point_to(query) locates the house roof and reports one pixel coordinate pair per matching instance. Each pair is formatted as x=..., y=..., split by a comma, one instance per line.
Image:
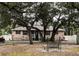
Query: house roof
x=61, y=30
x=39, y=27
x=20, y=28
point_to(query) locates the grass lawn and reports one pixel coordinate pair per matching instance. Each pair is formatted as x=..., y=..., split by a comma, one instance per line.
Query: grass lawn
x=38, y=50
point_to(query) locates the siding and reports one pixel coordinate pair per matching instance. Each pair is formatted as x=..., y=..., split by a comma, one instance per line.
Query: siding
x=19, y=36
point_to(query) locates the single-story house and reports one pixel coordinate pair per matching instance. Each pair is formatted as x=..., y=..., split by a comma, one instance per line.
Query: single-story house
x=20, y=33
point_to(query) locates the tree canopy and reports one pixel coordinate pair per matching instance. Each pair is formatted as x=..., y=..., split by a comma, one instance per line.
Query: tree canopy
x=56, y=14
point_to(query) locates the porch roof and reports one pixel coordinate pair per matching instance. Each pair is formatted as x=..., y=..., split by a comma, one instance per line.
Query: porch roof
x=39, y=27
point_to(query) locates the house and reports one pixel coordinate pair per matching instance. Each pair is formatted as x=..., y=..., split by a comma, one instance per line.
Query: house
x=20, y=33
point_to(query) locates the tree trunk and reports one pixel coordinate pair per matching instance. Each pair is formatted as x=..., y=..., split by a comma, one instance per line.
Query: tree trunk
x=69, y=31
x=54, y=31
x=52, y=37
x=30, y=36
x=44, y=34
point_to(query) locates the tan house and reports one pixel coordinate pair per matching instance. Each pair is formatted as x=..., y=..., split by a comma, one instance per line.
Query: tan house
x=20, y=33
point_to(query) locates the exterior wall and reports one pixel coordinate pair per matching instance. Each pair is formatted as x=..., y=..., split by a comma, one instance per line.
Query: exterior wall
x=19, y=36
x=48, y=36
x=59, y=35
x=71, y=39
x=26, y=37
x=68, y=39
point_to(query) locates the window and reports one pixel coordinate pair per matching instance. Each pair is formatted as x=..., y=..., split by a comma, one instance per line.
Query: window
x=48, y=33
x=24, y=32
x=18, y=32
